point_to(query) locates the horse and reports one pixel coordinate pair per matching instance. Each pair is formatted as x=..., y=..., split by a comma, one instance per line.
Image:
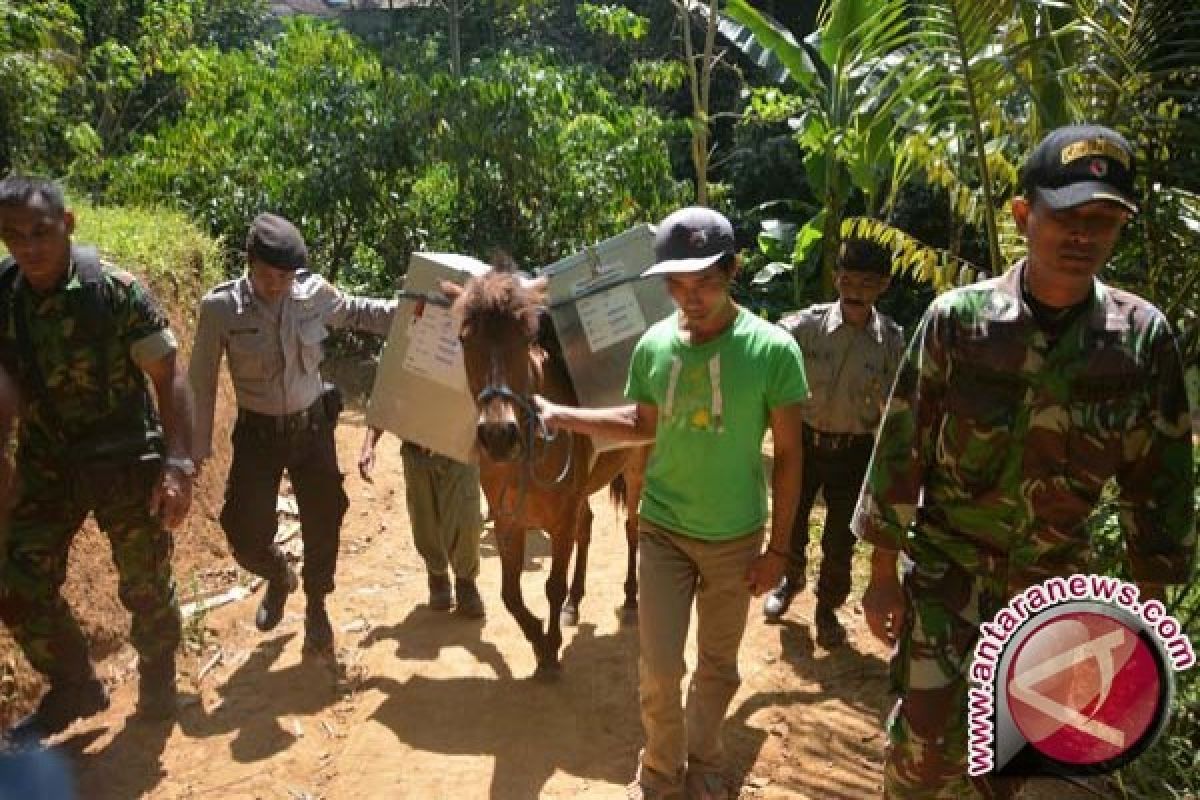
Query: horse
x=533, y=477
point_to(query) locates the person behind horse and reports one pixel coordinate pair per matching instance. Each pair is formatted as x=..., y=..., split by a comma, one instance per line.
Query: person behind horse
x=82, y=341
x=442, y=497
x=1018, y=399
x=851, y=351
x=705, y=384
x=271, y=323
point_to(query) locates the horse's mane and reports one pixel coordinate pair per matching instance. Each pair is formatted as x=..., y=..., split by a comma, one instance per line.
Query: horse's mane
x=498, y=294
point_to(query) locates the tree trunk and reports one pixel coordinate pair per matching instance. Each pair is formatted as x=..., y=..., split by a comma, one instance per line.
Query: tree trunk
x=456, y=11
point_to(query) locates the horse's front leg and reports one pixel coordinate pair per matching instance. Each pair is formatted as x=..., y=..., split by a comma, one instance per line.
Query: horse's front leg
x=583, y=541
x=562, y=541
x=629, y=611
x=634, y=473
x=511, y=543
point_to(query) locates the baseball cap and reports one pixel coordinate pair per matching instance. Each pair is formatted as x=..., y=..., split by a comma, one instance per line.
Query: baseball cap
x=1076, y=164
x=274, y=240
x=691, y=239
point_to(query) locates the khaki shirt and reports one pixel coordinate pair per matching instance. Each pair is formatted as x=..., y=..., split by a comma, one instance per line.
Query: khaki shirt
x=850, y=370
x=274, y=351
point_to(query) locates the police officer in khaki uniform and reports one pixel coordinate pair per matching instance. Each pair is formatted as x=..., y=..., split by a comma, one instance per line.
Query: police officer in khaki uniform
x=851, y=352
x=271, y=323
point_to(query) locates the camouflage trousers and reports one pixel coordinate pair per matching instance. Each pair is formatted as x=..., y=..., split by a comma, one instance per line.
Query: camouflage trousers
x=927, y=727
x=50, y=508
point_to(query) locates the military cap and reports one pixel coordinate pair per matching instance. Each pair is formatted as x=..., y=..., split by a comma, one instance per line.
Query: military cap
x=1076, y=164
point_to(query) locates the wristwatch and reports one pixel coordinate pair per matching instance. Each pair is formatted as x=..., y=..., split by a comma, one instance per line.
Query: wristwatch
x=184, y=465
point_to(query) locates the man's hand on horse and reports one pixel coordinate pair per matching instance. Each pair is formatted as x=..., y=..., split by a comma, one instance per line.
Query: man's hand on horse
x=547, y=411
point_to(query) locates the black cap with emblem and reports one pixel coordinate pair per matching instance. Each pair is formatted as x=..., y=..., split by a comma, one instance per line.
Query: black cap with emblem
x=275, y=241
x=1077, y=164
x=691, y=239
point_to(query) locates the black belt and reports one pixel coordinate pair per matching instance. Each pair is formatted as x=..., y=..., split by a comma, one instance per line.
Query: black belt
x=283, y=424
x=835, y=441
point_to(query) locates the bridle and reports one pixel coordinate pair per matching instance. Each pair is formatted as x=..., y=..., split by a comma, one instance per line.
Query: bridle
x=535, y=444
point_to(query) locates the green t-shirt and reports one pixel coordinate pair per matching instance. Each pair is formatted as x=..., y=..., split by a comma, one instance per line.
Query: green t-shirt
x=705, y=478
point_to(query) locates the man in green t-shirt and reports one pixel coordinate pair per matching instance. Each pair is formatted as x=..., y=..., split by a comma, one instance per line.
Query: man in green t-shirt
x=705, y=385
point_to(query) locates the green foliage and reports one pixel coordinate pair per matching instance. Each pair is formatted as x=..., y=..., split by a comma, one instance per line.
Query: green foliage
x=373, y=163
x=308, y=125
x=176, y=257
x=544, y=160
x=39, y=63
x=615, y=21
x=853, y=102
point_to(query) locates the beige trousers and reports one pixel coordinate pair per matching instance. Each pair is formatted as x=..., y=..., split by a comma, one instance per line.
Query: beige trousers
x=673, y=572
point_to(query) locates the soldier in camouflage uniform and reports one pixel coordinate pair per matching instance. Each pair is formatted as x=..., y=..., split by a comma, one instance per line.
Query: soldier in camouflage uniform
x=1018, y=399
x=80, y=338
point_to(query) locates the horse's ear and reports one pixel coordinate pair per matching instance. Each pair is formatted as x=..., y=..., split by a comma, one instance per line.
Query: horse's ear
x=537, y=286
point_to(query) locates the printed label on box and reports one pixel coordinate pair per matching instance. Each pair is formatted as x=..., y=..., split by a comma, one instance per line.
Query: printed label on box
x=611, y=317
x=434, y=351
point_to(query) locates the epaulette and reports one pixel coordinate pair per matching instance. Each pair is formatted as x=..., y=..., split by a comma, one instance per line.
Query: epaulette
x=888, y=322
x=119, y=275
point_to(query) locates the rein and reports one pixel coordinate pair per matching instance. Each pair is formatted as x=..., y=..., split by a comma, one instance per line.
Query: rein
x=531, y=454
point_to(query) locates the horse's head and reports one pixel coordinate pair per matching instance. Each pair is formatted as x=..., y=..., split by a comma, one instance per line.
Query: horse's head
x=500, y=313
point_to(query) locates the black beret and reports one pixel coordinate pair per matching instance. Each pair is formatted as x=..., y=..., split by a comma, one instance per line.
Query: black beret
x=275, y=241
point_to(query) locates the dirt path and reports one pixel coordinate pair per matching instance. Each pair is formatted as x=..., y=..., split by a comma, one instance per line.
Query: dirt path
x=430, y=705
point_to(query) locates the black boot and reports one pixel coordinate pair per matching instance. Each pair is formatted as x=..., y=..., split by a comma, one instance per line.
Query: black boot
x=470, y=604
x=157, y=695
x=62, y=704
x=440, y=596
x=318, y=632
x=270, y=611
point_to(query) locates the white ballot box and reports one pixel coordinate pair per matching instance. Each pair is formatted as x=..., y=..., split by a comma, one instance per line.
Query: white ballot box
x=421, y=392
x=601, y=307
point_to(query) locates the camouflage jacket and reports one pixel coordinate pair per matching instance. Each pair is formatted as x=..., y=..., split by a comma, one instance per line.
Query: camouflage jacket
x=995, y=446
x=88, y=357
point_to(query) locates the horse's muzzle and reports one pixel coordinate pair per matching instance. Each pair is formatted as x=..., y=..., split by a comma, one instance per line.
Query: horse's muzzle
x=500, y=440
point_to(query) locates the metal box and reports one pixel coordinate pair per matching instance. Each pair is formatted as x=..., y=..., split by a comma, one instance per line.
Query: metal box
x=601, y=306
x=420, y=391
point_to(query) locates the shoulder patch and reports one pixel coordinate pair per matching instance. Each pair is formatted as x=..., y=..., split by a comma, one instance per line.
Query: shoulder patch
x=220, y=289
x=122, y=277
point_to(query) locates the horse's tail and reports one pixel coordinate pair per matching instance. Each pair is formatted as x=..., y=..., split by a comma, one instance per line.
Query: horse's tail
x=618, y=491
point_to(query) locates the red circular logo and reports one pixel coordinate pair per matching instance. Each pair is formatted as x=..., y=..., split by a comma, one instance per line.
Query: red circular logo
x=1084, y=688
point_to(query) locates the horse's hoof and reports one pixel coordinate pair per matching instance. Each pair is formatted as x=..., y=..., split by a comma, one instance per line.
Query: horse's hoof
x=548, y=672
x=627, y=615
x=569, y=616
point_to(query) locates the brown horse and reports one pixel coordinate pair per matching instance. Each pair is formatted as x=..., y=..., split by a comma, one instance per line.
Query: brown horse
x=532, y=477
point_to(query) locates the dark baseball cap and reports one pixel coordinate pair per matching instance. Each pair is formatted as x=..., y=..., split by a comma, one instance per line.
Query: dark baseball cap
x=1078, y=164
x=277, y=242
x=691, y=239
